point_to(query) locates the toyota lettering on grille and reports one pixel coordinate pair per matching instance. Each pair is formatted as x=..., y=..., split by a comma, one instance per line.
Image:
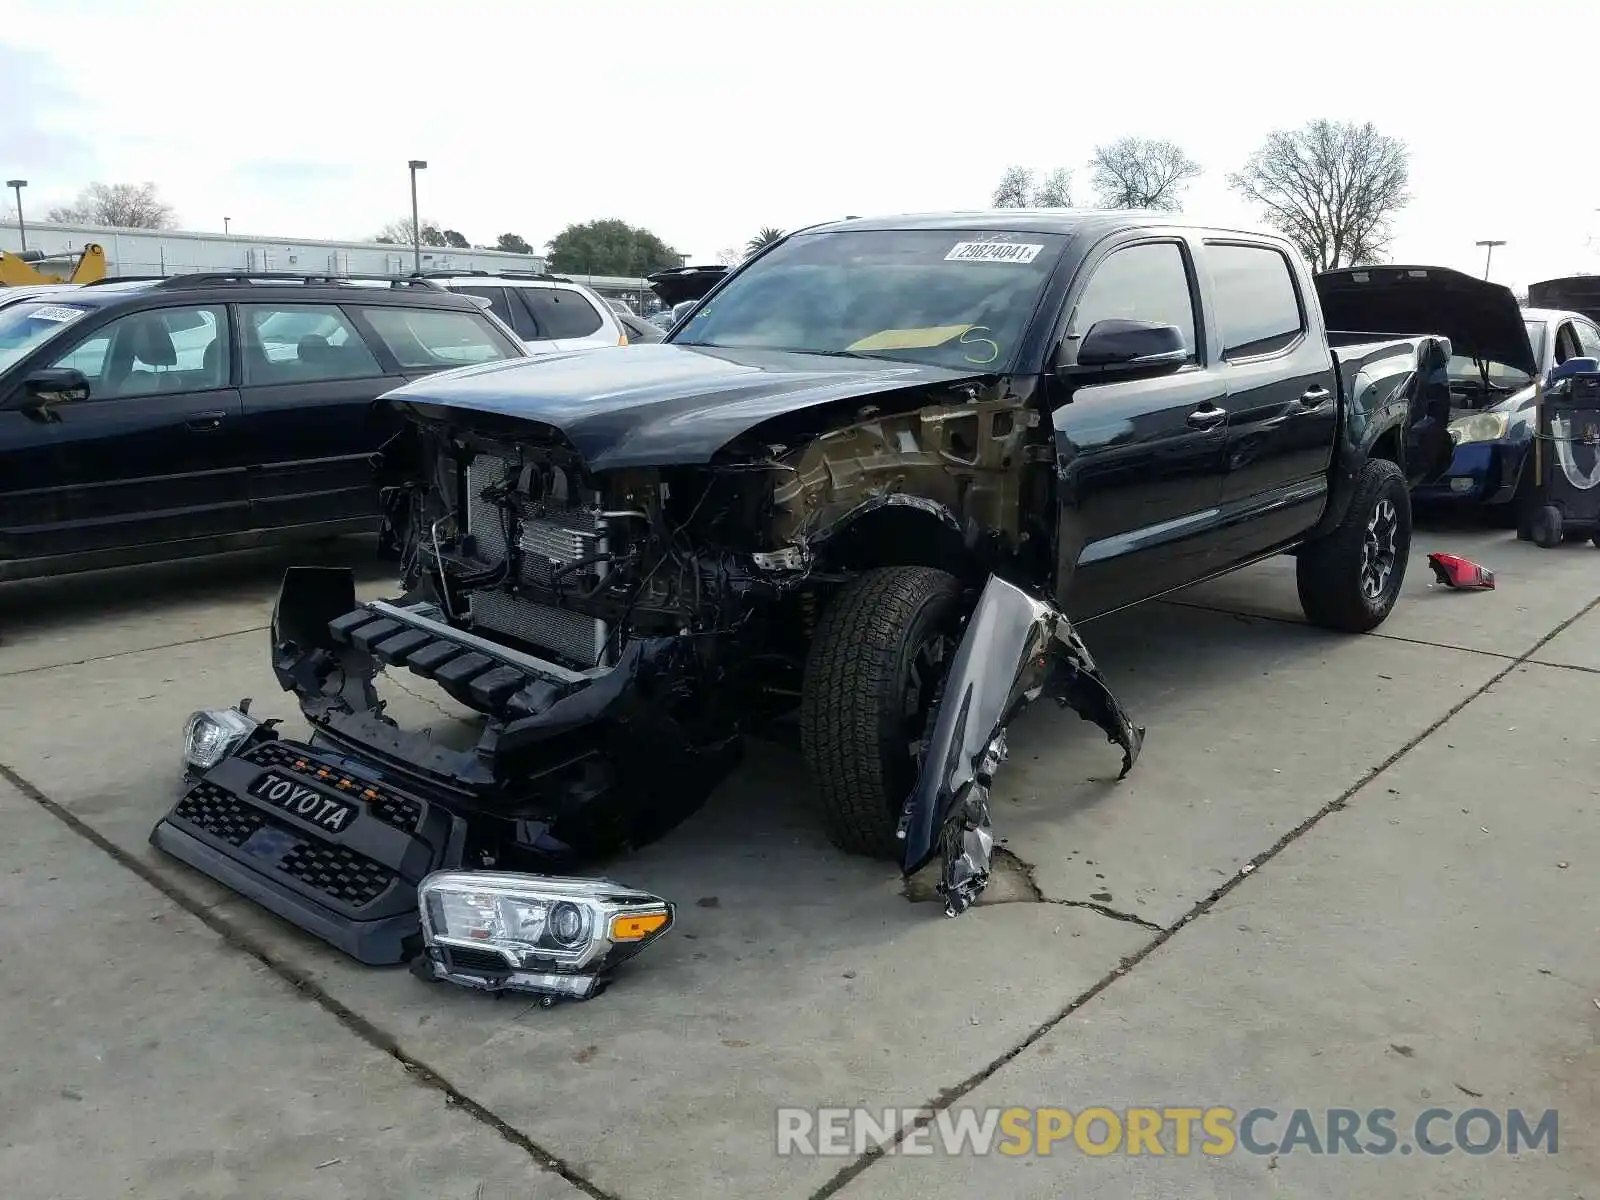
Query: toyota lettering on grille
x=306, y=802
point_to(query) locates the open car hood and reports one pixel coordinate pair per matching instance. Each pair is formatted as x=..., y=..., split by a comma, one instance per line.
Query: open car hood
x=1481, y=319
x=1572, y=293
x=678, y=284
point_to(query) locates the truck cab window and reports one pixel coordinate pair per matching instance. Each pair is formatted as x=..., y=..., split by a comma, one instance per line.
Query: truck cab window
x=1258, y=309
x=1141, y=283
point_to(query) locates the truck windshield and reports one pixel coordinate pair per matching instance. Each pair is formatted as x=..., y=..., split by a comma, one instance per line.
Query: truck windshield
x=25, y=325
x=958, y=298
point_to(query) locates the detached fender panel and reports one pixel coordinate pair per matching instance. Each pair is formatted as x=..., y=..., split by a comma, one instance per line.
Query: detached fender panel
x=1015, y=648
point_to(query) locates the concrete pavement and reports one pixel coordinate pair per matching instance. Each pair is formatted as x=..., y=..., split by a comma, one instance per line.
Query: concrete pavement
x=800, y=977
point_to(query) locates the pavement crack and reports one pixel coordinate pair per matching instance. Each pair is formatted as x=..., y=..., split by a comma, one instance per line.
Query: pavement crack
x=1388, y=637
x=428, y=700
x=1105, y=910
x=370, y=1033
x=947, y=1097
x=1539, y=662
x=1036, y=893
x=95, y=658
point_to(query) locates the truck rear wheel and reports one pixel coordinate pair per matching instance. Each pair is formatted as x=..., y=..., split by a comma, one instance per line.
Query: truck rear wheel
x=879, y=654
x=1350, y=579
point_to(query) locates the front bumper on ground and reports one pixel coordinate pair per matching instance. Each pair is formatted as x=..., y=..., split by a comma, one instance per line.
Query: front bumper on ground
x=1479, y=473
x=355, y=888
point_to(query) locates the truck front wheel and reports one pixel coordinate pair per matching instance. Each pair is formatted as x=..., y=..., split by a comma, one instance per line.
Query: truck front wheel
x=1350, y=579
x=881, y=650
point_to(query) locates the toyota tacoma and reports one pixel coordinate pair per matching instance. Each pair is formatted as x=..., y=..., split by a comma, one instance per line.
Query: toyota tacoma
x=879, y=473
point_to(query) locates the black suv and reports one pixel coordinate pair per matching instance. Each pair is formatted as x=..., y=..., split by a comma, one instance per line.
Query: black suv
x=145, y=419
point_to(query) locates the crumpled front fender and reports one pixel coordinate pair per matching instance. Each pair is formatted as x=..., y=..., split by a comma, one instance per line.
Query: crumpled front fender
x=1015, y=648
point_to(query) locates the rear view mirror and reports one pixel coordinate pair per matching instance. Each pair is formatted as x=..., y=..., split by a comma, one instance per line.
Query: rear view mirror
x=1131, y=346
x=51, y=385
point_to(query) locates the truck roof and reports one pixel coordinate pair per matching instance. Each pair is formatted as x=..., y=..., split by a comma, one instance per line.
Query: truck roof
x=1031, y=220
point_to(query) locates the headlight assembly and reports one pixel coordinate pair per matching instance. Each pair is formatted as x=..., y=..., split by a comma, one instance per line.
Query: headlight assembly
x=558, y=938
x=1480, y=427
x=210, y=736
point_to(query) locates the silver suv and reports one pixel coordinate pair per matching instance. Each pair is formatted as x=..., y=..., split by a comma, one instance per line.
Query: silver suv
x=546, y=312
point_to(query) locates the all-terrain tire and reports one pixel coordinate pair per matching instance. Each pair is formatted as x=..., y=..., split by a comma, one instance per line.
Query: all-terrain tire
x=853, y=717
x=1330, y=570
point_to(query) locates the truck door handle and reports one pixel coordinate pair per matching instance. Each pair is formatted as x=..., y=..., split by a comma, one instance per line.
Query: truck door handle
x=1314, y=397
x=206, y=421
x=1205, y=418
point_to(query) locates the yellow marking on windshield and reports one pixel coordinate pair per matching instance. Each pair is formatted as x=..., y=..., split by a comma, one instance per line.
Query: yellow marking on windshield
x=910, y=339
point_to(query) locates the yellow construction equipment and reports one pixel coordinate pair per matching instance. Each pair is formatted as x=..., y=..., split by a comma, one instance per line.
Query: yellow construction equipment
x=16, y=270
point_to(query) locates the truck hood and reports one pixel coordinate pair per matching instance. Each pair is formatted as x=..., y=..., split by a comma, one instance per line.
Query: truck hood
x=1572, y=293
x=661, y=404
x=1482, y=320
x=677, y=284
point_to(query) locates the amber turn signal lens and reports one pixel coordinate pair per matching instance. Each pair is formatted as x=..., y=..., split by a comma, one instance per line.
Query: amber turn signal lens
x=633, y=927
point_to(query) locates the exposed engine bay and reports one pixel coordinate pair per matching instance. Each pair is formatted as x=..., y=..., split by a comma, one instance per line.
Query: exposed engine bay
x=514, y=538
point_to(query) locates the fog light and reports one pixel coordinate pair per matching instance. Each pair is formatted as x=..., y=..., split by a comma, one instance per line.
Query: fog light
x=551, y=936
x=1461, y=485
x=210, y=736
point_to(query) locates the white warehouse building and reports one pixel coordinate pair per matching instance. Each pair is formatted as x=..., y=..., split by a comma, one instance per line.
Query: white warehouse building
x=177, y=252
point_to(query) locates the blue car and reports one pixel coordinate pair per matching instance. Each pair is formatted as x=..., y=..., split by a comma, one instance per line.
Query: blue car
x=1492, y=411
x=1499, y=351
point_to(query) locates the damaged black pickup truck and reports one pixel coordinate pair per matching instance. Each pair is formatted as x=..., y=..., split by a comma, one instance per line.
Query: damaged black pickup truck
x=878, y=473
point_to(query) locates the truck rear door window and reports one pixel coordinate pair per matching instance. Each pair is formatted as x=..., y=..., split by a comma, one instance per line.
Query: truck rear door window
x=1258, y=309
x=1141, y=283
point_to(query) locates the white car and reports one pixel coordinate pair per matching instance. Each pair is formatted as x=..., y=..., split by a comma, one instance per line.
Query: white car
x=546, y=313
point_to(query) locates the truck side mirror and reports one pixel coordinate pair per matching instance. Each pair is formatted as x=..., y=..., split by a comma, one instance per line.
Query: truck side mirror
x=50, y=385
x=1120, y=345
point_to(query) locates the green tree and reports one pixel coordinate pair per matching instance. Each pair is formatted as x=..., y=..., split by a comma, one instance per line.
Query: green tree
x=610, y=247
x=763, y=238
x=456, y=240
x=514, y=243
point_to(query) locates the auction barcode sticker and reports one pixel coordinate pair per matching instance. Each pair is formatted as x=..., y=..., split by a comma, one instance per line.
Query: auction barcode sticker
x=1005, y=252
x=57, y=313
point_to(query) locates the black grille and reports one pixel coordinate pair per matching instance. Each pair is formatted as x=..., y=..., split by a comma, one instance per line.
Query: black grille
x=219, y=813
x=400, y=811
x=485, y=962
x=337, y=872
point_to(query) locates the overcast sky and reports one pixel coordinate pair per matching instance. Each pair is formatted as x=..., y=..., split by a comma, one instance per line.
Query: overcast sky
x=704, y=120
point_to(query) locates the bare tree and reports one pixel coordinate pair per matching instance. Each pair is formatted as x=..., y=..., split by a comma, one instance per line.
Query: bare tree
x=1135, y=172
x=1331, y=188
x=121, y=205
x=398, y=233
x=1015, y=190
x=1055, y=190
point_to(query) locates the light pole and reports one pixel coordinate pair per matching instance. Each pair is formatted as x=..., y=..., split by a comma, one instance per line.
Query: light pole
x=1488, y=253
x=416, y=164
x=226, y=221
x=16, y=185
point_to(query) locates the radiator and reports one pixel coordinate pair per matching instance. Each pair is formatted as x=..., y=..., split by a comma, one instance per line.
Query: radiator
x=548, y=541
